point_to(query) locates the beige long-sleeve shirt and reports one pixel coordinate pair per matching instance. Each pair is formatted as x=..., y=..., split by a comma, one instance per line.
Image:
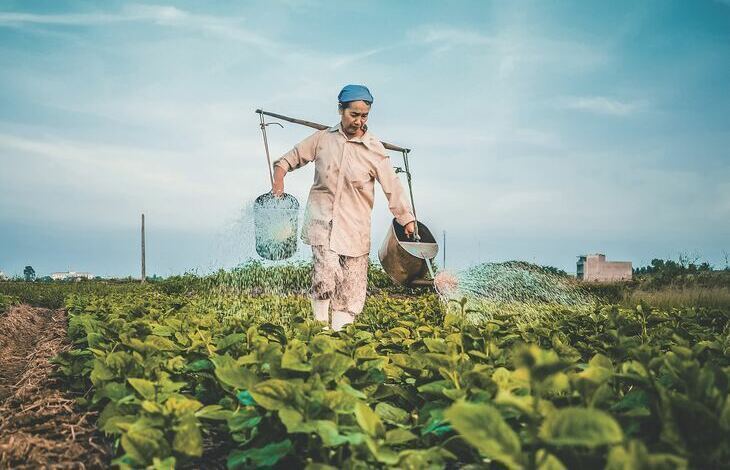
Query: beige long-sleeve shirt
x=344, y=189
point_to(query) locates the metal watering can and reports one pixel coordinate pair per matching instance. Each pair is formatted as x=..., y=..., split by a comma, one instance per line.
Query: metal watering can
x=407, y=261
x=275, y=225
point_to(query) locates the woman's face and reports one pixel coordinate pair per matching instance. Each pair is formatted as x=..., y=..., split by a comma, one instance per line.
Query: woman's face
x=354, y=118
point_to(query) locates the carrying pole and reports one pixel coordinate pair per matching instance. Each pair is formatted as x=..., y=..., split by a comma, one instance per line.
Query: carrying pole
x=320, y=127
x=144, y=275
x=444, y=249
x=266, y=146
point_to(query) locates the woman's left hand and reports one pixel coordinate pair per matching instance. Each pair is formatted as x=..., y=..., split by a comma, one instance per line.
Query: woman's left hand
x=410, y=229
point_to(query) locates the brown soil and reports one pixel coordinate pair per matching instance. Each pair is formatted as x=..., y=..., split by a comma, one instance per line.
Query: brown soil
x=40, y=425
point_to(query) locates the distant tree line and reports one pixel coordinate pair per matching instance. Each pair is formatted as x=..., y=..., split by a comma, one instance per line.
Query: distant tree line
x=683, y=272
x=673, y=268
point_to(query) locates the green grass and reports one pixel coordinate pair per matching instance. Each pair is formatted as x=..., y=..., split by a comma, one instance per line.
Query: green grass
x=252, y=278
x=53, y=294
x=678, y=297
x=6, y=301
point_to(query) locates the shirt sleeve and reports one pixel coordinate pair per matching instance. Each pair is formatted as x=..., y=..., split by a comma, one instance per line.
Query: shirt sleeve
x=302, y=153
x=394, y=192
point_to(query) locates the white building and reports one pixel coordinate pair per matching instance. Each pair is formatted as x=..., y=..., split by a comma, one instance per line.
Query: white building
x=71, y=276
x=3, y=277
x=596, y=268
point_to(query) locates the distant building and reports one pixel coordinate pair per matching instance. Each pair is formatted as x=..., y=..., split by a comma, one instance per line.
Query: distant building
x=71, y=276
x=3, y=277
x=596, y=268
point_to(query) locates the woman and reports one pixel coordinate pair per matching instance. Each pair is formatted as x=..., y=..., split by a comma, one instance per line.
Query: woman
x=348, y=159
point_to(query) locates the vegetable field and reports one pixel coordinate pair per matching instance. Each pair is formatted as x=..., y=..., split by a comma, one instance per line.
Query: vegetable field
x=229, y=374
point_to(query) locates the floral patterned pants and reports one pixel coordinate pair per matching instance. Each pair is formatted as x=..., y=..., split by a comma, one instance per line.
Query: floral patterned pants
x=343, y=279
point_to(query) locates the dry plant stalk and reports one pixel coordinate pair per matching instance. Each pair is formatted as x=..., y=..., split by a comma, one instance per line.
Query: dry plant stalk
x=40, y=426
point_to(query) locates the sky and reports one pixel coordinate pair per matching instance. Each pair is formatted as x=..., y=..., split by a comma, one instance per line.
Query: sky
x=539, y=131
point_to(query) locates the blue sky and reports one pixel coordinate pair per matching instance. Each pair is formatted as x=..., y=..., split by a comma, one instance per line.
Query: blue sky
x=540, y=130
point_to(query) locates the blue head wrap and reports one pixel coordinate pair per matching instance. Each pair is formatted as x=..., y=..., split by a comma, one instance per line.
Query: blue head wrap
x=354, y=93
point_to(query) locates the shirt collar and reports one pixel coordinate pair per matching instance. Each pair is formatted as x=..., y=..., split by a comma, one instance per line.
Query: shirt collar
x=366, y=139
x=362, y=139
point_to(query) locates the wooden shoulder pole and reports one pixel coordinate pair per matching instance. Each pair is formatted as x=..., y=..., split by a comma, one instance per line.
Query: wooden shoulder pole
x=320, y=127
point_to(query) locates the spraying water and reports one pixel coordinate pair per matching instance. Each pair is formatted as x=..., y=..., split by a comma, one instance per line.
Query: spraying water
x=430, y=268
x=523, y=291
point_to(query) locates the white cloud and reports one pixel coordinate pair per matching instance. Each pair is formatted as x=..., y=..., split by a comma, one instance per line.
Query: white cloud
x=348, y=59
x=225, y=28
x=601, y=105
x=75, y=19
x=170, y=16
x=509, y=46
x=104, y=181
x=152, y=13
x=162, y=14
x=447, y=37
x=229, y=30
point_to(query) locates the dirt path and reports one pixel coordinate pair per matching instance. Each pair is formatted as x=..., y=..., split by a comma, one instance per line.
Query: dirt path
x=40, y=425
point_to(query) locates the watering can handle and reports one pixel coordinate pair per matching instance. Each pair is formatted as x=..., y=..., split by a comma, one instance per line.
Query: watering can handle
x=407, y=171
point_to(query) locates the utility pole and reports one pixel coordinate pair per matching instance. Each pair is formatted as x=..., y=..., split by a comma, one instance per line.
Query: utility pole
x=143, y=266
x=444, y=249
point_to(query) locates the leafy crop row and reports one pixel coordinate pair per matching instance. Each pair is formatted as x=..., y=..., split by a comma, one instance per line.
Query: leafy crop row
x=6, y=301
x=252, y=278
x=252, y=380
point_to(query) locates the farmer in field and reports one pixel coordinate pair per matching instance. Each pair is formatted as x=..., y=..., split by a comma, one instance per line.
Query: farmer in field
x=348, y=159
